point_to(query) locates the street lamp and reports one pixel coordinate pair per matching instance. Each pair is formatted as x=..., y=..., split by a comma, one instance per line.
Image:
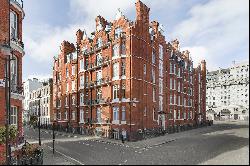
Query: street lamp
x=39, y=115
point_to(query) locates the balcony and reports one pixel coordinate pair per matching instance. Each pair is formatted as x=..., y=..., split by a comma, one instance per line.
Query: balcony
x=17, y=44
x=96, y=48
x=16, y=93
x=98, y=83
x=103, y=101
x=100, y=63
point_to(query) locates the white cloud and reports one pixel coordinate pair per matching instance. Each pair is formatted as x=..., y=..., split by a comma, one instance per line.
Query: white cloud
x=219, y=27
x=43, y=41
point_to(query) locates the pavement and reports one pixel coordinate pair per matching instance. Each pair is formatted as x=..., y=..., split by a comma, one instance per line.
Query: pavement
x=222, y=143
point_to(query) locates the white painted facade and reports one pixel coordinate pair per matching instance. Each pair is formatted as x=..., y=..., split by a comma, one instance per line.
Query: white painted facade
x=28, y=87
x=45, y=102
x=228, y=89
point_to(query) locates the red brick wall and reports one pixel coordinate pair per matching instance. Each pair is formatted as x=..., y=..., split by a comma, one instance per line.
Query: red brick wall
x=139, y=50
x=4, y=35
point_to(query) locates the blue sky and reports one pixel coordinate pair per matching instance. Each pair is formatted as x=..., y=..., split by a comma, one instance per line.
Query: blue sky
x=215, y=30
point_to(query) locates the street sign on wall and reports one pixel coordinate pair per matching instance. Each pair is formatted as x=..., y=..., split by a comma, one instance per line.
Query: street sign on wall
x=2, y=83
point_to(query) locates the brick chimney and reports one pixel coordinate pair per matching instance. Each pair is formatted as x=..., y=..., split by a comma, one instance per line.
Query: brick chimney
x=142, y=13
x=67, y=47
x=175, y=44
x=155, y=26
x=100, y=20
x=187, y=54
x=79, y=36
x=203, y=66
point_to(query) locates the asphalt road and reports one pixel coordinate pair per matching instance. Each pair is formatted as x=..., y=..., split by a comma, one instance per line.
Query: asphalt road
x=210, y=145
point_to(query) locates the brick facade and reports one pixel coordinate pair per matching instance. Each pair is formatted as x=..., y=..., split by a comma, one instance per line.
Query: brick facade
x=16, y=44
x=134, y=58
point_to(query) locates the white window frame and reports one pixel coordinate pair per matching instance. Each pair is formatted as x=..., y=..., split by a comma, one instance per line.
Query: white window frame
x=99, y=115
x=81, y=116
x=13, y=116
x=123, y=113
x=81, y=99
x=66, y=115
x=115, y=92
x=73, y=70
x=99, y=77
x=116, y=51
x=115, y=113
x=13, y=25
x=81, y=65
x=73, y=100
x=82, y=81
x=73, y=115
x=73, y=85
x=115, y=71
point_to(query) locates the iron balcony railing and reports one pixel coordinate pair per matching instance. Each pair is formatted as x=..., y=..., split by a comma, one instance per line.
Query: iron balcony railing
x=97, y=83
x=95, y=48
x=102, y=101
x=99, y=63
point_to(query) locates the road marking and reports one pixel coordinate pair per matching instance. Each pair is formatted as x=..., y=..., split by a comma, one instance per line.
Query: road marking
x=67, y=156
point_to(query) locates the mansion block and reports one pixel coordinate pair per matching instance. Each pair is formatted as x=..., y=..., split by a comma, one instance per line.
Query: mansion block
x=126, y=77
x=11, y=55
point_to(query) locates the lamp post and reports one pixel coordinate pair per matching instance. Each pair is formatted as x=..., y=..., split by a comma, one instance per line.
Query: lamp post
x=39, y=117
x=54, y=137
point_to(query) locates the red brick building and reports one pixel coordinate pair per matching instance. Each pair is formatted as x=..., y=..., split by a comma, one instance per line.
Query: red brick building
x=11, y=17
x=119, y=78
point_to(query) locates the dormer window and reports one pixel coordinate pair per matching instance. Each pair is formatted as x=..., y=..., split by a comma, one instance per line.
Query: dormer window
x=13, y=25
x=118, y=32
x=99, y=26
x=99, y=42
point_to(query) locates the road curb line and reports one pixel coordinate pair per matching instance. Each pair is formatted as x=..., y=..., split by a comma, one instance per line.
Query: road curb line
x=67, y=156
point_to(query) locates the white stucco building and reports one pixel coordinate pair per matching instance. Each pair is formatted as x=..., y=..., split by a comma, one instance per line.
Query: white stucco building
x=28, y=87
x=228, y=92
x=45, y=102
